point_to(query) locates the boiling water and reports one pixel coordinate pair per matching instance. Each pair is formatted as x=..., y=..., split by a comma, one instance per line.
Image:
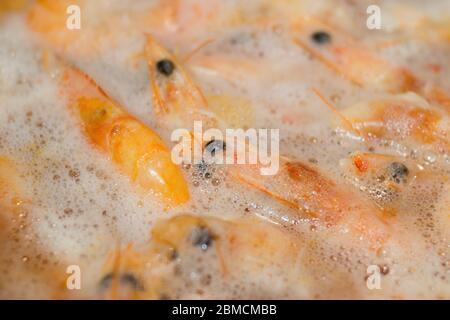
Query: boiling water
x=76, y=207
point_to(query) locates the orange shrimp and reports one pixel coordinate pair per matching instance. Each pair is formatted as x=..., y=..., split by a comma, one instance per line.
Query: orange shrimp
x=382, y=177
x=356, y=63
x=300, y=186
x=230, y=247
x=392, y=181
x=343, y=55
x=405, y=118
x=175, y=94
x=132, y=273
x=135, y=148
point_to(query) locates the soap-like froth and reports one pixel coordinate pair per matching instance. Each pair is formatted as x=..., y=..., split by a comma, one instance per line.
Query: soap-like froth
x=78, y=207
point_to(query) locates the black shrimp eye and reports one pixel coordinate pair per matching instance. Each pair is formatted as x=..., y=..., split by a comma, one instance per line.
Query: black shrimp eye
x=398, y=171
x=106, y=281
x=130, y=280
x=321, y=37
x=125, y=279
x=202, y=238
x=165, y=66
x=215, y=145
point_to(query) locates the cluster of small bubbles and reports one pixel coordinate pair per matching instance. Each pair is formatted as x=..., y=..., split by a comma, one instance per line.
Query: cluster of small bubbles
x=81, y=200
x=383, y=195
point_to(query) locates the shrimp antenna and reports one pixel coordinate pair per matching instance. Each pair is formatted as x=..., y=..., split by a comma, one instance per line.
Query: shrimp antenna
x=188, y=56
x=348, y=124
x=115, y=272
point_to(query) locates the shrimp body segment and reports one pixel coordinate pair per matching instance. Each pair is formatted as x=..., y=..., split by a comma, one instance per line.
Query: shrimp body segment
x=135, y=148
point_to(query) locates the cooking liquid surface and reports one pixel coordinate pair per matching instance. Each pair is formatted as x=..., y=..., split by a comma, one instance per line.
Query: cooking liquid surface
x=64, y=202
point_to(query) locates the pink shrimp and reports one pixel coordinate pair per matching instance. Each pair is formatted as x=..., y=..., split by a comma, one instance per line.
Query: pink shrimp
x=359, y=65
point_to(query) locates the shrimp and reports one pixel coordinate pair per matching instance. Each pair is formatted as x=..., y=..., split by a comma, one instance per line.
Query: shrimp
x=403, y=189
x=135, y=148
x=384, y=178
x=182, y=244
x=356, y=63
x=133, y=273
x=178, y=101
x=345, y=57
x=298, y=185
x=175, y=95
x=406, y=118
